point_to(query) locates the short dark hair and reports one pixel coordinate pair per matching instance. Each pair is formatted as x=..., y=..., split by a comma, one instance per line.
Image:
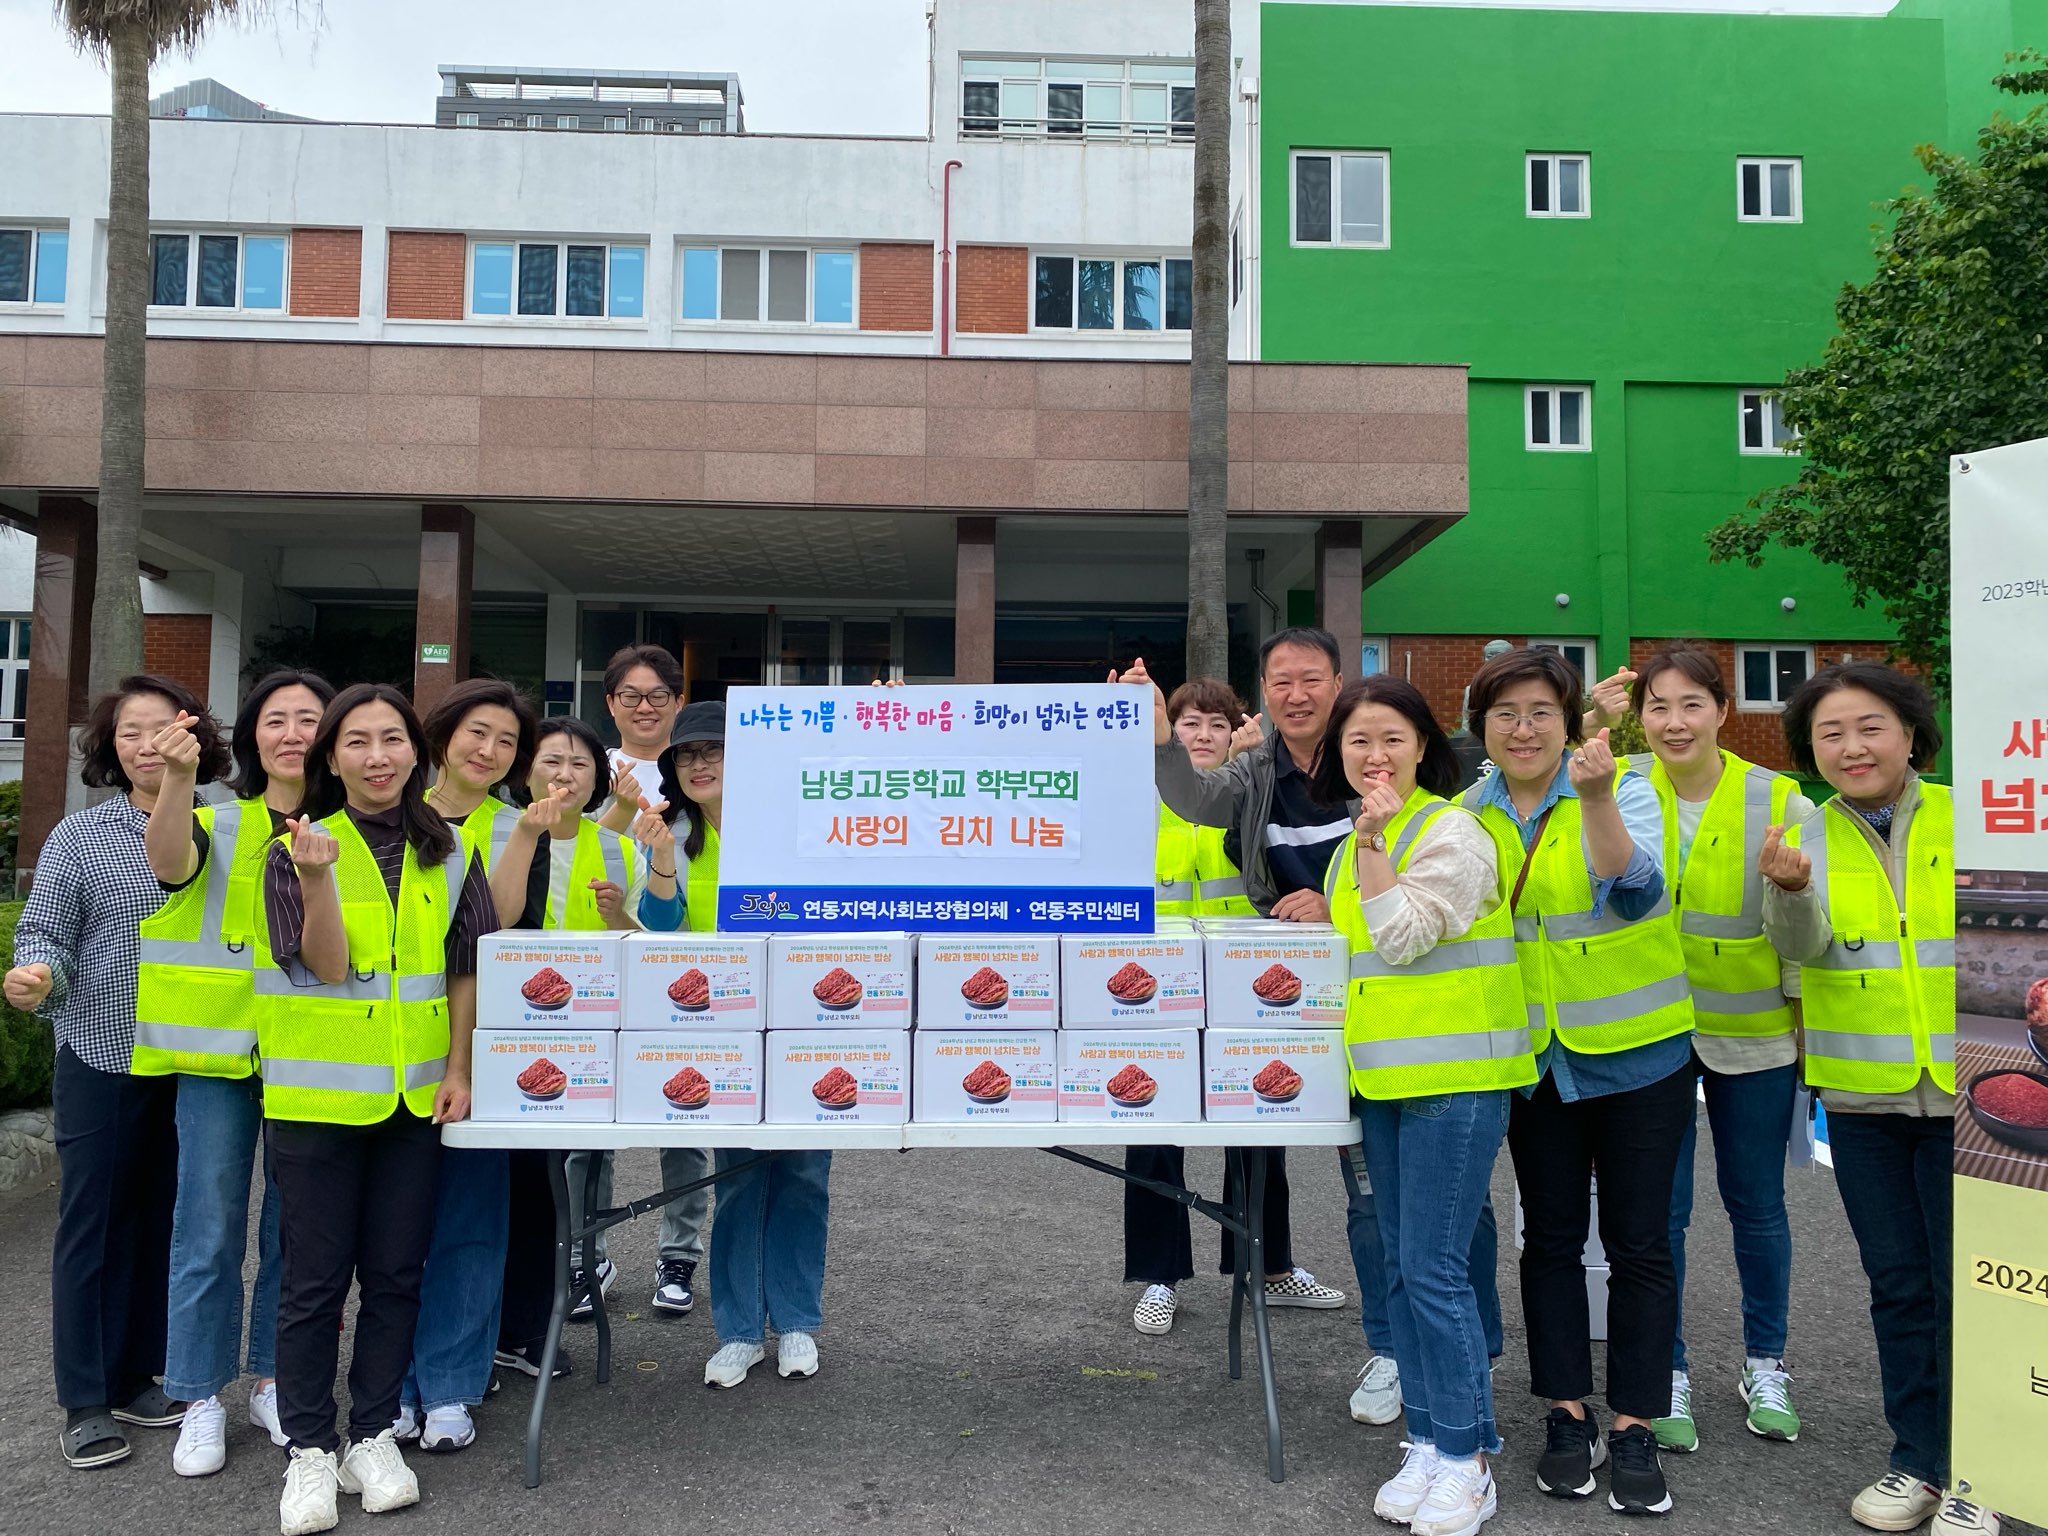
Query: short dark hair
x=1208, y=696
x=1309, y=638
x=585, y=736
x=1901, y=692
x=446, y=717
x=250, y=779
x=1437, y=772
x=430, y=835
x=102, y=767
x=1528, y=663
x=1694, y=662
x=654, y=657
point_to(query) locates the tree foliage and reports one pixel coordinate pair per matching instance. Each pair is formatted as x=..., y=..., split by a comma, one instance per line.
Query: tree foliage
x=1944, y=351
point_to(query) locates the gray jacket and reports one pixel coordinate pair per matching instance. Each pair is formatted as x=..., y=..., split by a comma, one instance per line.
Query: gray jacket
x=1239, y=796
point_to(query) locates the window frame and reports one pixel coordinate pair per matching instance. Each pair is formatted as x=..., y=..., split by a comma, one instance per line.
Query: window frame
x=1553, y=159
x=561, y=316
x=1529, y=393
x=15, y=632
x=30, y=303
x=1764, y=164
x=1336, y=242
x=282, y=310
x=466, y=119
x=1044, y=72
x=1747, y=705
x=1778, y=438
x=763, y=249
x=1585, y=643
x=1120, y=261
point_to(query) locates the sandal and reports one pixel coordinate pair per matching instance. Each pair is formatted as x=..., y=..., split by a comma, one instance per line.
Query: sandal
x=95, y=1441
x=152, y=1408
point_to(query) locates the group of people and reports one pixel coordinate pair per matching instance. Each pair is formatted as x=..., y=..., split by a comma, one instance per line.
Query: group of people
x=1557, y=952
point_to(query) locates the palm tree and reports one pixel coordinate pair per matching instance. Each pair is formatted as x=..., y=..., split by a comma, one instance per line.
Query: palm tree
x=1209, y=349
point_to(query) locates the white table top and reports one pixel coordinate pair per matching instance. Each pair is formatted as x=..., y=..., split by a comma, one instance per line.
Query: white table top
x=572, y=1137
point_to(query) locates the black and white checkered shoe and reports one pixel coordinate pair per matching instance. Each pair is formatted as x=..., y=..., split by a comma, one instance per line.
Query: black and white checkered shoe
x=1302, y=1289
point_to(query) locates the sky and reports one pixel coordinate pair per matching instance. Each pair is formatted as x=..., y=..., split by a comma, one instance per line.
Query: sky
x=805, y=66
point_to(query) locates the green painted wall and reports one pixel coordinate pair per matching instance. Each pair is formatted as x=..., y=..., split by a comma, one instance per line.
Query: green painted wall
x=1978, y=34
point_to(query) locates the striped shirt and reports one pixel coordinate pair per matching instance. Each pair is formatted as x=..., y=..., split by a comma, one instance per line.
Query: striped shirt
x=1304, y=833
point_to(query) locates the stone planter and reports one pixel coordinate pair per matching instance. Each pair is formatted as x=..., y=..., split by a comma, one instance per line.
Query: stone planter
x=28, y=1147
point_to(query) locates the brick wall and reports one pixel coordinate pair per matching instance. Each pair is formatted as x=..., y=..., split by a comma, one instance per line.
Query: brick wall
x=423, y=279
x=327, y=271
x=179, y=646
x=895, y=287
x=1759, y=734
x=992, y=289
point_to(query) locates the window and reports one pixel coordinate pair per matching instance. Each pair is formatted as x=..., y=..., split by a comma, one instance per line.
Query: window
x=781, y=286
x=1767, y=675
x=508, y=122
x=533, y=120
x=1105, y=293
x=210, y=271
x=1077, y=99
x=14, y=633
x=571, y=121
x=1763, y=428
x=32, y=265
x=1767, y=191
x=1340, y=199
x=1580, y=653
x=546, y=280
x=1236, y=264
x=1559, y=187
x=615, y=125
x=465, y=119
x=1557, y=418
x=646, y=125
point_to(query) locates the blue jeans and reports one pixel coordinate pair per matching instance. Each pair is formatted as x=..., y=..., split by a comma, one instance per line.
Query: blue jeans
x=682, y=1221
x=456, y=1338
x=768, y=1246
x=1431, y=1161
x=1369, y=1257
x=220, y=1121
x=1751, y=1118
x=1894, y=1173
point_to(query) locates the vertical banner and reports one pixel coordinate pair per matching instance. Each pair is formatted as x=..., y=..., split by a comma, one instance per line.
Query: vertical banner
x=1999, y=624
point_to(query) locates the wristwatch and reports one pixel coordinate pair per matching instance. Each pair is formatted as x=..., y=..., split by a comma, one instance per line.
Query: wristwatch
x=1377, y=842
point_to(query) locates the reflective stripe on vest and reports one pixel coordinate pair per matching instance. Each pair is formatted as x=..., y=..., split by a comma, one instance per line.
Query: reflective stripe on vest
x=598, y=854
x=194, y=1002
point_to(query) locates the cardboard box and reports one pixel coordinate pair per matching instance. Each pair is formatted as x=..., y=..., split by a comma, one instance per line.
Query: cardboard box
x=721, y=979
x=547, y=980
x=868, y=1068
x=865, y=976
x=1014, y=1075
x=987, y=981
x=1168, y=1082
x=568, y=1074
x=1275, y=1074
x=689, y=1077
x=1131, y=981
x=1274, y=975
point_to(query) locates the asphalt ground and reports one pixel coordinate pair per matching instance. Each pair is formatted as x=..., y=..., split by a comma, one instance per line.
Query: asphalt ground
x=980, y=1373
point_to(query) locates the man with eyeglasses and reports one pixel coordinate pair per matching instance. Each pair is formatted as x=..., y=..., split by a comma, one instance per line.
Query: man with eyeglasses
x=643, y=689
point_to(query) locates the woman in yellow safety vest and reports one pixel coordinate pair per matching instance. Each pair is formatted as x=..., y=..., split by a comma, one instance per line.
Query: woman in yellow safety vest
x=1193, y=869
x=195, y=1019
x=366, y=976
x=1866, y=905
x=1437, y=1035
x=1581, y=848
x=480, y=741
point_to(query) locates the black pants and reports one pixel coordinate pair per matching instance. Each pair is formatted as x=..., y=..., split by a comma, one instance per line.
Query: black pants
x=117, y=1160
x=529, y=1256
x=355, y=1203
x=1631, y=1141
x=1157, y=1247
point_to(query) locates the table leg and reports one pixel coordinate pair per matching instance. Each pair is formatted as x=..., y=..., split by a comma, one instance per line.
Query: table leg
x=597, y=1307
x=1254, y=1169
x=1236, y=1225
x=558, y=1183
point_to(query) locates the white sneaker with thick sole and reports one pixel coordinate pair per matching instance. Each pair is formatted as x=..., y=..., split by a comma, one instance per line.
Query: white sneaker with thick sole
x=1299, y=1288
x=1154, y=1312
x=1402, y=1494
x=1959, y=1517
x=1461, y=1499
x=1895, y=1502
x=376, y=1469
x=796, y=1354
x=447, y=1429
x=729, y=1367
x=311, y=1479
x=1377, y=1399
x=263, y=1413
x=202, y=1446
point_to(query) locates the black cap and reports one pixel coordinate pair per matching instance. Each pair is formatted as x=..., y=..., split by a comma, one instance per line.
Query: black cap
x=702, y=721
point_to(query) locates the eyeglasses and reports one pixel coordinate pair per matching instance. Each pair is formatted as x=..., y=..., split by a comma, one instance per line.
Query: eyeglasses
x=708, y=753
x=1539, y=719
x=633, y=698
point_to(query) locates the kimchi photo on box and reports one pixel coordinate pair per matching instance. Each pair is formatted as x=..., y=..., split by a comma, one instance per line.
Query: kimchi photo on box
x=527, y=979
x=838, y=1076
x=839, y=981
x=543, y=1074
x=1275, y=1074
x=987, y=981
x=1137, y=1074
x=1274, y=975
x=713, y=981
x=689, y=1077
x=968, y=1075
x=1130, y=981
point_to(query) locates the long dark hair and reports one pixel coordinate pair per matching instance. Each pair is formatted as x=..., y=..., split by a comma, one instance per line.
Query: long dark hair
x=1438, y=770
x=678, y=802
x=102, y=768
x=584, y=734
x=431, y=837
x=446, y=717
x=251, y=780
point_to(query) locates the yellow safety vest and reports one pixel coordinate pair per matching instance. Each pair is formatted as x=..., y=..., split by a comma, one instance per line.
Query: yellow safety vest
x=195, y=1005
x=488, y=828
x=1601, y=984
x=1453, y=1020
x=599, y=855
x=1192, y=873
x=345, y=1054
x=1881, y=1003
x=701, y=887
x=1737, y=983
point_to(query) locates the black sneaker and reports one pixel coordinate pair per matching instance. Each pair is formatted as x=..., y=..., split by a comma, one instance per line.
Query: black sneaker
x=579, y=1287
x=1572, y=1448
x=526, y=1360
x=672, y=1286
x=1635, y=1486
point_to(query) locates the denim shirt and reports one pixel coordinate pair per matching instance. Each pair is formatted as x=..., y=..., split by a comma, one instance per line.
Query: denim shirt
x=1634, y=893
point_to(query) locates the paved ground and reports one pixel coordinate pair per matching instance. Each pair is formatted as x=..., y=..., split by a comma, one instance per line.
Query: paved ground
x=981, y=1374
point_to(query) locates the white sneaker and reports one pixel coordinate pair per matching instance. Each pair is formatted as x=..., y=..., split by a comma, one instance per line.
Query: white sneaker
x=1959, y=1517
x=202, y=1446
x=796, y=1354
x=376, y=1470
x=729, y=1367
x=447, y=1429
x=407, y=1425
x=1299, y=1288
x=1403, y=1493
x=1895, y=1502
x=1378, y=1398
x=1461, y=1499
x=310, y=1480
x=263, y=1413
x=1154, y=1312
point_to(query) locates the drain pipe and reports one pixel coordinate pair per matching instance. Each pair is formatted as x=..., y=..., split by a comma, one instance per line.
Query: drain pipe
x=1256, y=558
x=946, y=260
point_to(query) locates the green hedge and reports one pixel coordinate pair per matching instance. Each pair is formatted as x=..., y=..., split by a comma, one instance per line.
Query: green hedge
x=27, y=1050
